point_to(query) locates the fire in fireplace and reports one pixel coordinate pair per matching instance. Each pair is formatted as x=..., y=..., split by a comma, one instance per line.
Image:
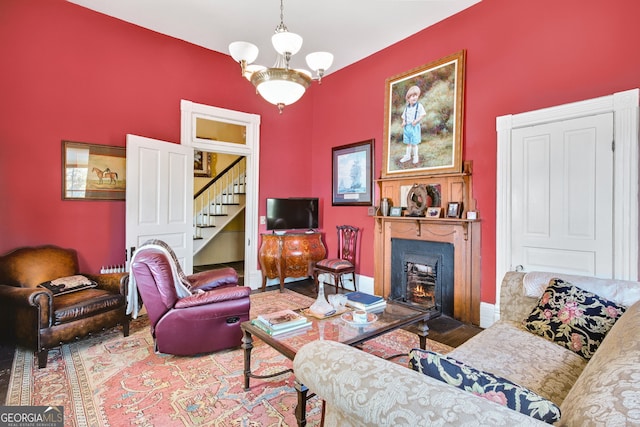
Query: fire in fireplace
x=422, y=275
x=421, y=284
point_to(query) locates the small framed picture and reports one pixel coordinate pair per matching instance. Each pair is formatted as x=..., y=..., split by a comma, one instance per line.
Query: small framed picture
x=434, y=212
x=395, y=211
x=454, y=209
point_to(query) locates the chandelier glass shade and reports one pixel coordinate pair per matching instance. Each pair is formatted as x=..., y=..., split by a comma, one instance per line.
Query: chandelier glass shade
x=280, y=85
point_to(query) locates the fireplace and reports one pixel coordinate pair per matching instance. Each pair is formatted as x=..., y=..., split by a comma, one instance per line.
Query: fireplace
x=422, y=275
x=460, y=295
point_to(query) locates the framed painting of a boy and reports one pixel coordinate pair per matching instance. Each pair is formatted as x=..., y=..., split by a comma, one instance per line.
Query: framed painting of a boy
x=423, y=119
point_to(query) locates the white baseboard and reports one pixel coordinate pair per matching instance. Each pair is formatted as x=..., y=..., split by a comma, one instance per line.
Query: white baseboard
x=488, y=314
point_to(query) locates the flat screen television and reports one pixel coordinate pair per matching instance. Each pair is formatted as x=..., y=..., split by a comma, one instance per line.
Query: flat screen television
x=292, y=214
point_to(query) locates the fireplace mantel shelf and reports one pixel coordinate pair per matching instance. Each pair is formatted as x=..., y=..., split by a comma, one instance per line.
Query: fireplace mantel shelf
x=421, y=219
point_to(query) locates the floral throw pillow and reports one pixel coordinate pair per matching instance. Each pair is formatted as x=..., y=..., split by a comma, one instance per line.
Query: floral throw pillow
x=483, y=384
x=573, y=318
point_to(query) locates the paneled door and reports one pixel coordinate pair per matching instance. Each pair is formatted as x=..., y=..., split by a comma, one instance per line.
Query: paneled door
x=160, y=196
x=562, y=196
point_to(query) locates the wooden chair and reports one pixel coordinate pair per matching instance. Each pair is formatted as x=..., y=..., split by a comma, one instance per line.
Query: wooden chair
x=344, y=262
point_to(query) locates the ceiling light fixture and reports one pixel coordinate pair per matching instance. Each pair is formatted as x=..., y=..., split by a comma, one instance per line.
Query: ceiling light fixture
x=280, y=85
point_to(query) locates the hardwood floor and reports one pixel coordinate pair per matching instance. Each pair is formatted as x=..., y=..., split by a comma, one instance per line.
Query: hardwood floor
x=442, y=329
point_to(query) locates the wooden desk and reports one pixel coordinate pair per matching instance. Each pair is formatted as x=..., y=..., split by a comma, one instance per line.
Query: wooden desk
x=289, y=255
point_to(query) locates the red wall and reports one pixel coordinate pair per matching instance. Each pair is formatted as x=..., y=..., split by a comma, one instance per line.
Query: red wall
x=521, y=55
x=70, y=73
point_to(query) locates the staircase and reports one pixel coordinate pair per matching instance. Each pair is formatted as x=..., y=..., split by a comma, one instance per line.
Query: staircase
x=217, y=203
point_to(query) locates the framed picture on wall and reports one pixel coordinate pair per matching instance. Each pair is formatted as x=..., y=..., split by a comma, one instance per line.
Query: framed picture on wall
x=352, y=174
x=94, y=172
x=423, y=119
x=201, y=163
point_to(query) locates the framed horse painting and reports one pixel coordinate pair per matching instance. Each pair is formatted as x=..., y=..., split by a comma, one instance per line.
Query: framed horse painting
x=94, y=172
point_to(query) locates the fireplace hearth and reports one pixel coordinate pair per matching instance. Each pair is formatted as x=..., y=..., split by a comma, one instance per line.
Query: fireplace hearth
x=422, y=275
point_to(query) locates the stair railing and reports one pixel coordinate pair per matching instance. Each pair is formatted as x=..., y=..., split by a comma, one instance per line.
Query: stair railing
x=212, y=200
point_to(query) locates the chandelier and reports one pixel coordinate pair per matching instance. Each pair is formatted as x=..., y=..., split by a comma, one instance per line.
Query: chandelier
x=280, y=85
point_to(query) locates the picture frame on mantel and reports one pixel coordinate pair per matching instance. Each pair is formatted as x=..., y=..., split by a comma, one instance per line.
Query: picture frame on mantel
x=424, y=119
x=93, y=172
x=352, y=174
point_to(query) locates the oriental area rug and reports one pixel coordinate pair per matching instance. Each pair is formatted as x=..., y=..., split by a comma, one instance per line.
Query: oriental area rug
x=111, y=380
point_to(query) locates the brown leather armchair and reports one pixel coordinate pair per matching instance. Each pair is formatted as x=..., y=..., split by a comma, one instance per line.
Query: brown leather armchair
x=32, y=317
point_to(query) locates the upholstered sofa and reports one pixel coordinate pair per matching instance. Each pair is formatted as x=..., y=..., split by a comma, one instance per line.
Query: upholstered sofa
x=360, y=389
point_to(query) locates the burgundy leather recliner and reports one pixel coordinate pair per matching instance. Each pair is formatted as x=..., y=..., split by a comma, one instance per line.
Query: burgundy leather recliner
x=204, y=322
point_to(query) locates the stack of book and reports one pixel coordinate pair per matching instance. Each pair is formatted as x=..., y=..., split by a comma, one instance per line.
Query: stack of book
x=281, y=322
x=367, y=302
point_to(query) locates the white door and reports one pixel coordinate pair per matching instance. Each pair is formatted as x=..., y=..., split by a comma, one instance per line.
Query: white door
x=159, y=196
x=562, y=196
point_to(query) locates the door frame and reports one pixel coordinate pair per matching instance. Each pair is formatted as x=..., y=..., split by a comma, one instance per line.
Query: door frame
x=625, y=107
x=190, y=111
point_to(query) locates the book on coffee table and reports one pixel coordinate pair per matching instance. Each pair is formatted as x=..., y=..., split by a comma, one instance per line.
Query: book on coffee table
x=283, y=319
x=283, y=330
x=367, y=302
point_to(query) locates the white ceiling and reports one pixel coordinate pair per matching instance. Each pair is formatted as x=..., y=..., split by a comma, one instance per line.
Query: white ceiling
x=350, y=29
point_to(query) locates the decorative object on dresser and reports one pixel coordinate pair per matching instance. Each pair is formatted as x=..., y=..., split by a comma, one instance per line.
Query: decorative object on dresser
x=289, y=255
x=199, y=313
x=35, y=317
x=345, y=260
x=412, y=144
x=352, y=174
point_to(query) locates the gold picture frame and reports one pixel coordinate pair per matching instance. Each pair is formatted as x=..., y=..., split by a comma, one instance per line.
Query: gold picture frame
x=424, y=135
x=201, y=164
x=93, y=172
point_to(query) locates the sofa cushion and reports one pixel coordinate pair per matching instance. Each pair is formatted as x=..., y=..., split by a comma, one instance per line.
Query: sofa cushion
x=65, y=285
x=484, y=384
x=608, y=391
x=509, y=350
x=573, y=318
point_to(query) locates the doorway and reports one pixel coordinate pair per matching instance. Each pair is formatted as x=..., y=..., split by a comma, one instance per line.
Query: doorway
x=230, y=134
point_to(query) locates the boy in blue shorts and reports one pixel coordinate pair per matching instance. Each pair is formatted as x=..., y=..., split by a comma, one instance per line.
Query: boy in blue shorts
x=411, y=116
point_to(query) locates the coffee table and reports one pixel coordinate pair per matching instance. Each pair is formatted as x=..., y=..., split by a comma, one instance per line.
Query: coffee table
x=395, y=316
